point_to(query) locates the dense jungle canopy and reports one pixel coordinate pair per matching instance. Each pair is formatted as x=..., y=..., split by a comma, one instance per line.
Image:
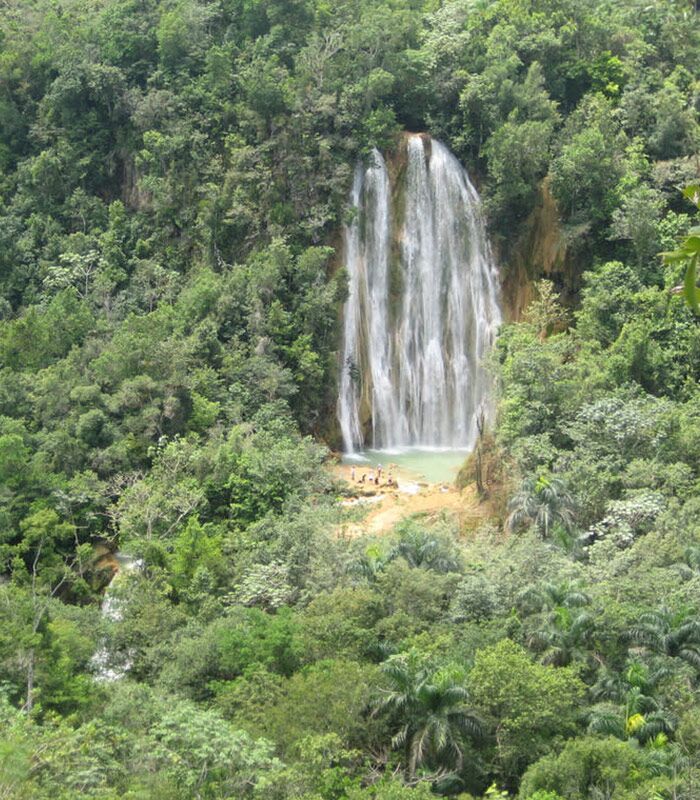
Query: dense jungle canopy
x=174, y=178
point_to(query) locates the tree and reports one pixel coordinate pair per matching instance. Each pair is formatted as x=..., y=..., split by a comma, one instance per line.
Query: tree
x=201, y=750
x=37, y=339
x=608, y=301
x=586, y=171
x=15, y=753
x=550, y=596
x=525, y=706
x=689, y=254
x=230, y=646
x=425, y=549
x=632, y=710
x=46, y=547
x=675, y=634
x=342, y=623
x=566, y=636
x=544, y=502
x=174, y=178
x=329, y=697
x=584, y=768
x=518, y=155
x=545, y=312
x=392, y=789
x=566, y=629
x=430, y=710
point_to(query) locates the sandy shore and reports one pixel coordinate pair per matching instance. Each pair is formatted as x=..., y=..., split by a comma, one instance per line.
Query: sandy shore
x=388, y=505
x=405, y=481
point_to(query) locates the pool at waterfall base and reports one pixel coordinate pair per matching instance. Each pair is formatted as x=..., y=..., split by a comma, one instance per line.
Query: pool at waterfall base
x=422, y=464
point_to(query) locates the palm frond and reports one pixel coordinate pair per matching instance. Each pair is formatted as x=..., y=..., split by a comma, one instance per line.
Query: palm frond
x=607, y=720
x=691, y=655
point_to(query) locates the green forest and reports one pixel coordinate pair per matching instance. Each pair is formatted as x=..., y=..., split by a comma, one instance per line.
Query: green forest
x=174, y=179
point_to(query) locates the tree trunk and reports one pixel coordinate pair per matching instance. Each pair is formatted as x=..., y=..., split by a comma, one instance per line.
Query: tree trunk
x=408, y=755
x=29, y=704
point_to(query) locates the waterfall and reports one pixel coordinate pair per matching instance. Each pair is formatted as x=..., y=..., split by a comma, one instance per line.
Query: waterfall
x=422, y=308
x=108, y=665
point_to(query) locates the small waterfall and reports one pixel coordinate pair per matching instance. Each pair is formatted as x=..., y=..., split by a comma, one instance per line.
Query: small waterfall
x=106, y=665
x=422, y=309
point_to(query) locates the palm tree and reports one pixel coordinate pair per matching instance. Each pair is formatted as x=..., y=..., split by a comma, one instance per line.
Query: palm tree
x=673, y=634
x=543, y=502
x=612, y=720
x=661, y=757
x=429, y=711
x=566, y=632
x=421, y=548
x=549, y=596
x=369, y=564
x=566, y=636
x=690, y=565
x=614, y=685
x=631, y=710
x=566, y=594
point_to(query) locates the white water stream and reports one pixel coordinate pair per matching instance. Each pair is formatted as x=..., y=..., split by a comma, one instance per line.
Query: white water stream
x=423, y=306
x=107, y=665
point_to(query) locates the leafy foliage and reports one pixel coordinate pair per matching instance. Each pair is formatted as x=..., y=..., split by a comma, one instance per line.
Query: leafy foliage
x=173, y=177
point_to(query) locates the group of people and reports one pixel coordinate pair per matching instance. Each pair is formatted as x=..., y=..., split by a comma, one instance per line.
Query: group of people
x=375, y=478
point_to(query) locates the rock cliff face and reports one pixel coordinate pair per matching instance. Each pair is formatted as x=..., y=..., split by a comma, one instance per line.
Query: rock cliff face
x=543, y=249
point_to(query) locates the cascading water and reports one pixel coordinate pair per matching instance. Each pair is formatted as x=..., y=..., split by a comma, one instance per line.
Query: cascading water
x=106, y=664
x=422, y=309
